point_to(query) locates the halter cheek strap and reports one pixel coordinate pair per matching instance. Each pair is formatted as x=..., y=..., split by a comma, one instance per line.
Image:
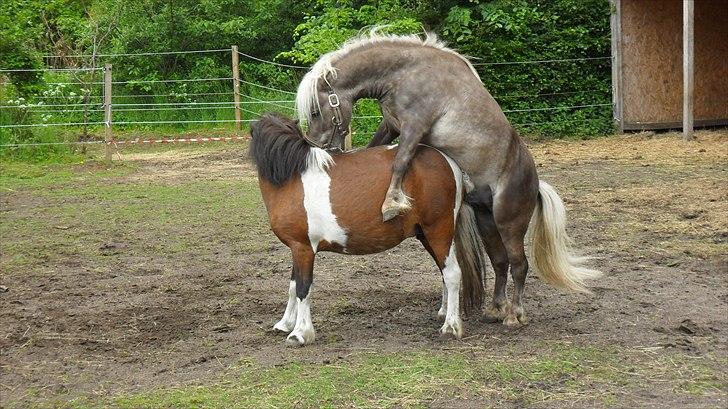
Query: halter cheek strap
x=337, y=120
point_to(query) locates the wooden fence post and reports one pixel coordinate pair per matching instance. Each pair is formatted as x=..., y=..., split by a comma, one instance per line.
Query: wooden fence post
x=107, y=111
x=616, y=25
x=688, y=66
x=347, y=140
x=236, y=86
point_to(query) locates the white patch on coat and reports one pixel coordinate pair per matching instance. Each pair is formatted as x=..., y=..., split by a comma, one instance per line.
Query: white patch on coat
x=304, y=332
x=288, y=321
x=392, y=146
x=322, y=223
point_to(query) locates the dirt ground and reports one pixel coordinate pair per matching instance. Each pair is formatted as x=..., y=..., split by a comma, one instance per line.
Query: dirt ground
x=114, y=287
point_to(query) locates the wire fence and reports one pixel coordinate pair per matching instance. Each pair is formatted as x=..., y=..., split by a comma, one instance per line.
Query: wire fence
x=76, y=97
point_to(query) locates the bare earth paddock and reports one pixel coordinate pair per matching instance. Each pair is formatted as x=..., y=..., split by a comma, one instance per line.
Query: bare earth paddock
x=154, y=284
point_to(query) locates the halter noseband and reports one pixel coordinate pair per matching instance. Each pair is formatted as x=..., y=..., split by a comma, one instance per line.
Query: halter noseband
x=336, y=120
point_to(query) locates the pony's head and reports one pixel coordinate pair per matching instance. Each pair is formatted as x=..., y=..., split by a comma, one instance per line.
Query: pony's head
x=326, y=94
x=280, y=151
x=326, y=109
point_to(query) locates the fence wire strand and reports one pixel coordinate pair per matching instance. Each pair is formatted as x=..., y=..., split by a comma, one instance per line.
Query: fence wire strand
x=51, y=69
x=273, y=62
x=137, y=54
x=478, y=64
x=228, y=106
x=95, y=107
x=556, y=108
x=18, y=145
x=23, y=106
x=149, y=104
x=266, y=87
x=182, y=122
x=262, y=101
x=51, y=124
x=171, y=81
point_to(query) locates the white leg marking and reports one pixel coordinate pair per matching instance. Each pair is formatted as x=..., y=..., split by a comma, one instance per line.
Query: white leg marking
x=303, y=333
x=322, y=223
x=451, y=275
x=443, y=305
x=288, y=321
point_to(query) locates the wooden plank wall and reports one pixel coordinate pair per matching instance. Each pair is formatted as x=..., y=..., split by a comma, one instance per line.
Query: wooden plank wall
x=651, y=50
x=711, y=59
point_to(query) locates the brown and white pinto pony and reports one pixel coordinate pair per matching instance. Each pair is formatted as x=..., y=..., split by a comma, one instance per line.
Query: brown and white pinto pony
x=319, y=202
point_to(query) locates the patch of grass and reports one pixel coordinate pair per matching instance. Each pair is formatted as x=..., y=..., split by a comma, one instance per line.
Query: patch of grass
x=74, y=208
x=15, y=175
x=554, y=373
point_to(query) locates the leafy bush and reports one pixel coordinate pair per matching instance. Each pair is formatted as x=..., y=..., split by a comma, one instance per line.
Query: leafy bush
x=298, y=32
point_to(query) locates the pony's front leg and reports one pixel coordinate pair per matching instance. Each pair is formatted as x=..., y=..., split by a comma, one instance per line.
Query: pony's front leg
x=303, y=332
x=452, y=277
x=288, y=321
x=396, y=201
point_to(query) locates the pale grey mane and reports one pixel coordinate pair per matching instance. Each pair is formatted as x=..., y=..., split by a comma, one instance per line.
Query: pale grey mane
x=307, y=94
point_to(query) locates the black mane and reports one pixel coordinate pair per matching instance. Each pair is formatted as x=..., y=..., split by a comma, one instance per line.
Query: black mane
x=278, y=148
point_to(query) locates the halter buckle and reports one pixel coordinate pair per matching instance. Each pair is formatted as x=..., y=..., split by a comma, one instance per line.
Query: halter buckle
x=333, y=100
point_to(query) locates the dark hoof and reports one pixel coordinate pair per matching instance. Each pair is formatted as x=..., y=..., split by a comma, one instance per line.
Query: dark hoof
x=491, y=319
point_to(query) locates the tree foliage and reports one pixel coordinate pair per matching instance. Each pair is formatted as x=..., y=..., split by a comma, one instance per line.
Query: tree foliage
x=298, y=32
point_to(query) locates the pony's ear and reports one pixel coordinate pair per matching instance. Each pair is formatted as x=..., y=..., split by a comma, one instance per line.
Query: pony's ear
x=254, y=128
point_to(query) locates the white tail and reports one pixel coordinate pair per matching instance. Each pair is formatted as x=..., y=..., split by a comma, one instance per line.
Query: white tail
x=552, y=257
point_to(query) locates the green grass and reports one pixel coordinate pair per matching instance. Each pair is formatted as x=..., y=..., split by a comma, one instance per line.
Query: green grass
x=554, y=373
x=78, y=203
x=15, y=175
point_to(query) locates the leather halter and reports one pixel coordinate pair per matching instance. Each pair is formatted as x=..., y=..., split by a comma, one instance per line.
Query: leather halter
x=337, y=120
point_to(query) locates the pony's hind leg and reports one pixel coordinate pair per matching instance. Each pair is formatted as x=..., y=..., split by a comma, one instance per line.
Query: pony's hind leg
x=303, y=331
x=452, y=276
x=288, y=321
x=446, y=259
x=443, y=304
x=512, y=222
x=442, y=312
x=498, y=256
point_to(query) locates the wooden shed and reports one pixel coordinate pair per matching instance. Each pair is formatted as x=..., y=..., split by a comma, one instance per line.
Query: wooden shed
x=670, y=63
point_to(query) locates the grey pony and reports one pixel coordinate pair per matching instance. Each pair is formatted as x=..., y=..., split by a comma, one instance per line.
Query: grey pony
x=430, y=94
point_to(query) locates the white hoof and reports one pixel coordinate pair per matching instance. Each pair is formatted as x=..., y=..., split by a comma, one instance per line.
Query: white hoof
x=300, y=338
x=454, y=328
x=284, y=326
